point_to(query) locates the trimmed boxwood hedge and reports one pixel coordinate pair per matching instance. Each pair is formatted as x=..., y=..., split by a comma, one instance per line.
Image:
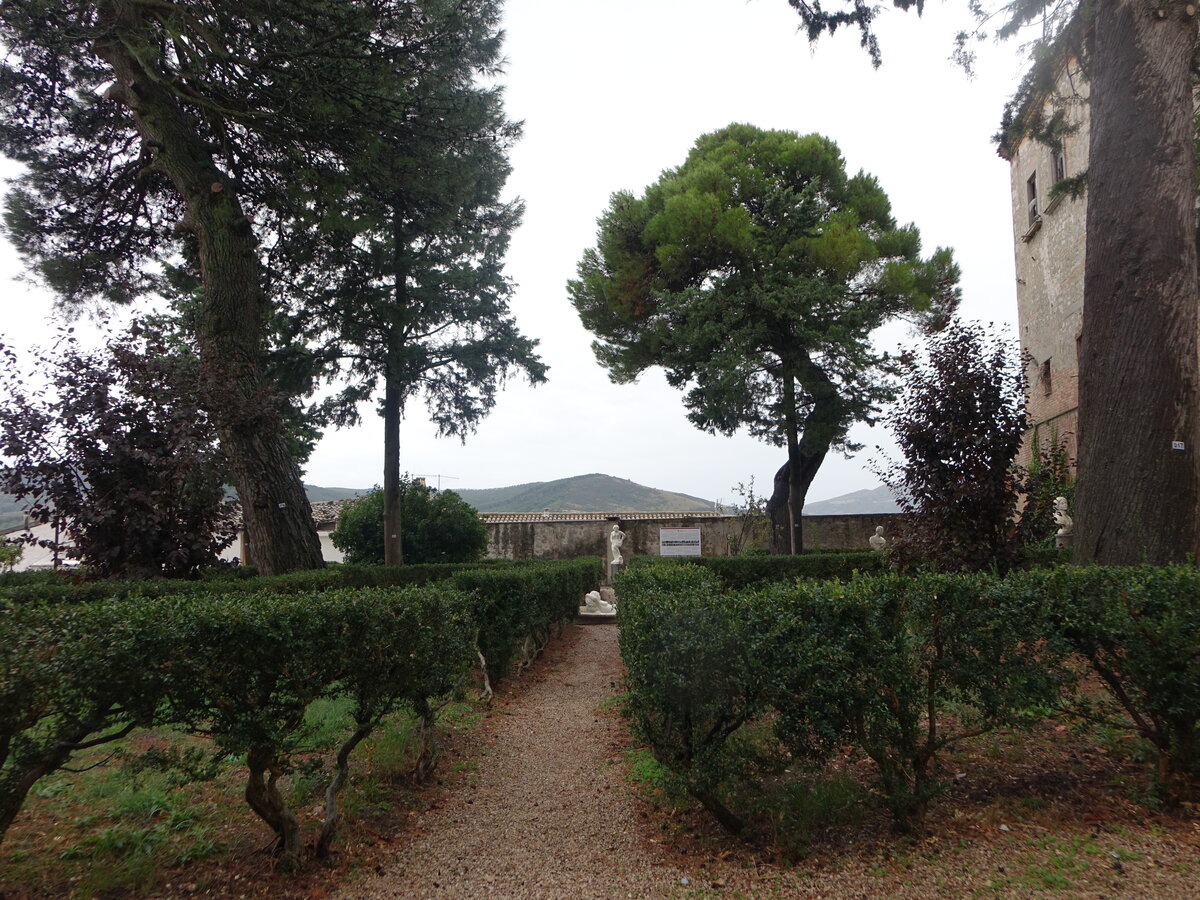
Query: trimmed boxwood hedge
x=241, y=660
x=870, y=660
x=68, y=587
x=738, y=572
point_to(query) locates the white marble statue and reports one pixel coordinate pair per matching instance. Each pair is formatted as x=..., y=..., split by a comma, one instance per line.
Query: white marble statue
x=597, y=606
x=877, y=541
x=616, y=538
x=1062, y=518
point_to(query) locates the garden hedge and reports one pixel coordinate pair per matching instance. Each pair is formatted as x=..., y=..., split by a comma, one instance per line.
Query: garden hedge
x=243, y=665
x=872, y=660
x=736, y=572
x=68, y=586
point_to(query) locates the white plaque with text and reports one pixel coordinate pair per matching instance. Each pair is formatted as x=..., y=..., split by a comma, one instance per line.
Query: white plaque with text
x=679, y=542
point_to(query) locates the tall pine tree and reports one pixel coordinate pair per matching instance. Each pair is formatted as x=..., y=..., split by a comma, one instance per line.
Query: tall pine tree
x=154, y=131
x=409, y=292
x=754, y=275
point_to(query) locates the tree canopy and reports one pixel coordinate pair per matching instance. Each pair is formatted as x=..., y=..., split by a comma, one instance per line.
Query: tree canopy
x=958, y=424
x=407, y=292
x=438, y=527
x=754, y=274
x=218, y=134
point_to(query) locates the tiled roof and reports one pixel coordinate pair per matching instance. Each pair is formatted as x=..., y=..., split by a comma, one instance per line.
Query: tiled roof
x=573, y=516
x=324, y=513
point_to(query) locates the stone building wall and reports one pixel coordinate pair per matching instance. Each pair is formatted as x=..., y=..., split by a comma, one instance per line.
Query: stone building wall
x=1049, y=241
x=530, y=536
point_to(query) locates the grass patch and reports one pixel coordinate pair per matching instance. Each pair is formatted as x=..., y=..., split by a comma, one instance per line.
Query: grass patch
x=651, y=781
x=460, y=715
x=327, y=721
x=117, y=823
x=800, y=808
x=393, y=748
x=616, y=703
x=1053, y=864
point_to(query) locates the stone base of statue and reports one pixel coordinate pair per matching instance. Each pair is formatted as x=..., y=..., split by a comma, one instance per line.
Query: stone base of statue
x=583, y=617
x=1063, y=541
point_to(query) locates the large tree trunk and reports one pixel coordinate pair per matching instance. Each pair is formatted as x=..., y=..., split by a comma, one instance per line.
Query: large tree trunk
x=777, y=511
x=795, y=501
x=1139, y=438
x=779, y=506
x=393, y=408
x=231, y=324
x=394, y=395
x=806, y=452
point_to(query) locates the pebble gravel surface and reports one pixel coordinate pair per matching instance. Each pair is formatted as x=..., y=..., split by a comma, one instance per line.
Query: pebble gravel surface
x=548, y=814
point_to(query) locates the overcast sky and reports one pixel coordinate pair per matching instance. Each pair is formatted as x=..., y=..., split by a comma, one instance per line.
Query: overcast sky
x=612, y=92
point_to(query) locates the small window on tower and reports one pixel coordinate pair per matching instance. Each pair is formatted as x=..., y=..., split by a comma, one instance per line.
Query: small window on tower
x=1060, y=164
x=1031, y=197
x=1045, y=378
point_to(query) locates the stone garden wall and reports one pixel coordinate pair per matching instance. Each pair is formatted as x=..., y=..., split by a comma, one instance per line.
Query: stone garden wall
x=561, y=536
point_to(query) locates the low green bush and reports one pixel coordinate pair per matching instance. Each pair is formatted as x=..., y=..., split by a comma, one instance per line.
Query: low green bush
x=246, y=668
x=880, y=662
x=518, y=606
x=70, y=677
x=876, y=662
x=68, y=587
x=243, y=666
x=1035, y=557
x=738, y=572
x=698, y=663
x=1139, y=629
x=435, y=526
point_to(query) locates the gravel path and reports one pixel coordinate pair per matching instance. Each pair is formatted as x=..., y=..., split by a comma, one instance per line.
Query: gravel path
x=548, y=813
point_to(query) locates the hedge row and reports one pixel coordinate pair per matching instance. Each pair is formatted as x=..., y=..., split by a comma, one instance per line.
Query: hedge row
x=879, y=661
x=243, y=667
x=518, y=606
x=738, y=572
x=67, y=587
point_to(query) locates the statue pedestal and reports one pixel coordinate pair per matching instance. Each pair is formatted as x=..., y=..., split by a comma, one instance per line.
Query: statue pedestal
x=584, y=617
x=1063, y=541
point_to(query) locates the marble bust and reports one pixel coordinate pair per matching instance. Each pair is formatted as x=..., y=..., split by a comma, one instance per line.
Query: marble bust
x=877, y=541
x=1062, y=518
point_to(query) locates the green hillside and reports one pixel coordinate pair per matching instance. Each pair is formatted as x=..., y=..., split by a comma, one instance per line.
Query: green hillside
x=583, y=493
x=865, y=502
x=316, y=494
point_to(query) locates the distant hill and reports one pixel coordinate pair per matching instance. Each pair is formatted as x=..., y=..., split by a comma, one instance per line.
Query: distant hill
x=583, y=493
x=875, y=500
x=317, y=494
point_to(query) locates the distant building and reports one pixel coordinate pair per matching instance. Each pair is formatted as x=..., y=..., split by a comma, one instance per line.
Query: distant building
x=1050, y=241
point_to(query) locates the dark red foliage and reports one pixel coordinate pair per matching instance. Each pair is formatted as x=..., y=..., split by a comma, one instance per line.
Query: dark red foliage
x=111, y=446
x=959, y=424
